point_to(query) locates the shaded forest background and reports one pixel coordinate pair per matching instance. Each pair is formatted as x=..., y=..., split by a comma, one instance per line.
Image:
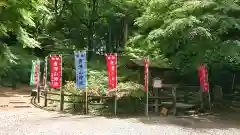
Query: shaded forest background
x=178, y=34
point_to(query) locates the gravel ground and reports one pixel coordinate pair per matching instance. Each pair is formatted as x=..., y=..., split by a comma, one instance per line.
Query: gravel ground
x=34, y=121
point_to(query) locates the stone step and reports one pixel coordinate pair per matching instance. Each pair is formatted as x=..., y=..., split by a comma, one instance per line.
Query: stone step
x=23, y=106
x=3, y=106
x=17, y=102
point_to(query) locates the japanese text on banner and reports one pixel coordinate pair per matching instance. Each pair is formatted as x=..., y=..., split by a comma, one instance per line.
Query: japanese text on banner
x=203, y=78
x=146, y=66
x=112, y=71
x=36, y=74
x=81, y=71
x=55, y=72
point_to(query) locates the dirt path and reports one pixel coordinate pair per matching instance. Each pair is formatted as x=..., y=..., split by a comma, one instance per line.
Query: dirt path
x=19, y=117
x=14, y=99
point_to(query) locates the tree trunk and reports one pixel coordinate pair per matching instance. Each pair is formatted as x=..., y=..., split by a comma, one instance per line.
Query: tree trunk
x=109, y=43
x=91, y=19
x=125, y=31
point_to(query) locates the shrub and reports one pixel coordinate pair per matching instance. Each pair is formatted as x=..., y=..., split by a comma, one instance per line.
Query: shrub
x=129, y=96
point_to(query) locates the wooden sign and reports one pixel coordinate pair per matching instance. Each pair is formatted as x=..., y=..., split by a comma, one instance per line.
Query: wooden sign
x=157, y=83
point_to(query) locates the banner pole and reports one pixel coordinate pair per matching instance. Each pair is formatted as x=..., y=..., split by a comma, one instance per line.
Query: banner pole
x=115, y=98
x=209, y=98
x=46, y=73
x=38, y=63
x=61, y=91
x=86, y=89
x=38, y=83
x=147, y=85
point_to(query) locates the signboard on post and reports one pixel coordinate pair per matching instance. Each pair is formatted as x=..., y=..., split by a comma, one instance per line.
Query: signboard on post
x=112, y=71
x=157, y=83
x=203, y=78
x=81, y=72
x=55, y=71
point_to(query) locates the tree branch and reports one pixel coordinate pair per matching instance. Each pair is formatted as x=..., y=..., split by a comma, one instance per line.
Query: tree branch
x=74, y=11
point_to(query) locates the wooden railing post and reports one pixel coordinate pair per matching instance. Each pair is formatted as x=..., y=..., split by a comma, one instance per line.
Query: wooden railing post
x=45, y=99
x=61, y=100
x=201, y=98
x=174, y=101
x=38, y=94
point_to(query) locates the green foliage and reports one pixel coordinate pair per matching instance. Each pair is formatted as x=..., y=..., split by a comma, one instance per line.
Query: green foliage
x=177, y=33
x=189, y=32
x=18, y=17
x=129, y=93
x=98, y=78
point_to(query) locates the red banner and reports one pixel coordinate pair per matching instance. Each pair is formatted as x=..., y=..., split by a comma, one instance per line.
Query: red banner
x=112, y=71
x=55, y=71
x=146, y=67
x=36, y=74
x=203, y=78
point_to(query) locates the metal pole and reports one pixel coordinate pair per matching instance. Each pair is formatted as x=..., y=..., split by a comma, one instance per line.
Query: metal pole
x=38, y=83
x=61, y=91
x=209, y=97
x=46, y=73
x=147, y=103
x=86, y=91
x=115, y=98
x=146, y=74
x=147, y=81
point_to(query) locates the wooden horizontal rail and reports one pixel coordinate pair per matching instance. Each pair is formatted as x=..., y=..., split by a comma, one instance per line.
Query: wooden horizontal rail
x=97, y=103
x=151, y=105
x=72, y=102
x=75, y=95
x=53, y=93
x=160, y=98
x=53, y=99
x=101, y=97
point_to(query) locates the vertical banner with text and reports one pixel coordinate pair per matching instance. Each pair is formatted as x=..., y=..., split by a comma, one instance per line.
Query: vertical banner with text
x=34, y=80
x=81, y=71
x=55, y=71
x=112, y=71
x=146, y=67
x=203, y=78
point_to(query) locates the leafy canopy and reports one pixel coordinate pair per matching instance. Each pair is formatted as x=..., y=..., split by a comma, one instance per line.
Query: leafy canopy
x=17, y=22
x=189, y=32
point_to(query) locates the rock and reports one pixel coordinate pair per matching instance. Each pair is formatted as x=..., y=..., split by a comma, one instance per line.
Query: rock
x=164, y=111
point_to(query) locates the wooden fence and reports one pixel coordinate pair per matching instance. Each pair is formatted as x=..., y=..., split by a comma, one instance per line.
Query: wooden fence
x=184, y=97
x=44, y=94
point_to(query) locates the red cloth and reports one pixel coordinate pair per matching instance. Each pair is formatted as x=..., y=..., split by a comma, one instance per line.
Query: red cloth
x=36, y=74
x=55, y=71
x=203, y=78
x=146, y=67
x=112, y=71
